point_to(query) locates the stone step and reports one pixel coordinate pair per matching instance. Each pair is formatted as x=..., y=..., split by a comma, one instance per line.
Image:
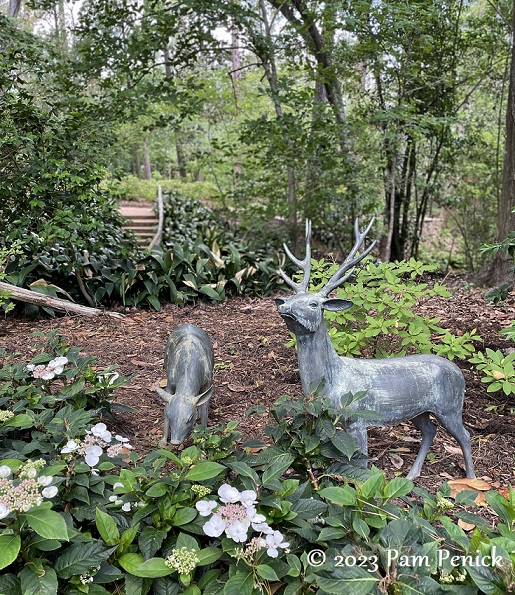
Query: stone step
x=142, y=233
x=140, y=224
x=141, y=220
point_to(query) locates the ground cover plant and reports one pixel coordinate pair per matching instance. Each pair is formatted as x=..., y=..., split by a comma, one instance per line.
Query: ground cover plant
x=82, y=512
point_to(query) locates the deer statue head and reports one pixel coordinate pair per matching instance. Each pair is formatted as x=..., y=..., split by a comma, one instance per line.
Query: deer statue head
x=303, y=312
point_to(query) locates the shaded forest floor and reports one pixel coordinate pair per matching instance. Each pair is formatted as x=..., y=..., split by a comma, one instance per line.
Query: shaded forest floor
x=254, y=366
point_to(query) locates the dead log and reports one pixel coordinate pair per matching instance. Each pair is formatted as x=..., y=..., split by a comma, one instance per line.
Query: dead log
x=39, y=299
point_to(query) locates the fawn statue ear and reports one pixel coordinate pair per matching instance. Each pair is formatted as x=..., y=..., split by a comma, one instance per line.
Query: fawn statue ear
x=336, y=304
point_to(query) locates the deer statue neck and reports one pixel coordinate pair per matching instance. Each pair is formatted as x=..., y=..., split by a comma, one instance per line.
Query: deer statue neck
x=317, y=358
x=303, y=314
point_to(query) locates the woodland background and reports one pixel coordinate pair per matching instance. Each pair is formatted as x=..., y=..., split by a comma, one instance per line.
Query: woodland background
x=267, y=111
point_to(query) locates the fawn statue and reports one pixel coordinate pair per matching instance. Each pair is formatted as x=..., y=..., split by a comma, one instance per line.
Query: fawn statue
x=189, y=362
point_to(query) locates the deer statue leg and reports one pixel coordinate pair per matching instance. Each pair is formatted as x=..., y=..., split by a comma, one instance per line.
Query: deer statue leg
x=358, y=431
x=202, y=413
x=166, y=433
x=428, y=429
x=454, y=425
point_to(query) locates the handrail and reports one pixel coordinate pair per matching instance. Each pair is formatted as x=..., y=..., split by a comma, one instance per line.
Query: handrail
x=161, y=211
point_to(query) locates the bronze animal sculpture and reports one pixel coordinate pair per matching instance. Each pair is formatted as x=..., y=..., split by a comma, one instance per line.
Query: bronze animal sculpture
x=399, y=388
x=188, y=362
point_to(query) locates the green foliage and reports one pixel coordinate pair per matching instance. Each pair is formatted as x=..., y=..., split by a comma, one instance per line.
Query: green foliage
x=5, y=257
x=507, y=246
x=315, y=432
x=52, y=396
x=383, y=322
x=498, y=370
x=179, y=274
x=202, y=259
x=54, y=154
x=147, y=524
x=217, y=442
x=509, y=332
x=133, y=188
x=187, y=220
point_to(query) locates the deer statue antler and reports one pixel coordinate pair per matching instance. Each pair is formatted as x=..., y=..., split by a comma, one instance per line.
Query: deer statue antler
x=305, y=264
x=351, y=261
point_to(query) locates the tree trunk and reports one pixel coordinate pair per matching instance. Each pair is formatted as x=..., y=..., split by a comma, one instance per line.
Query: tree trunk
x=306, y=27
x=137, y=162
x=39, y=299
x=236, y=81
x=386, y=250
x=14, y=8
x=146, y=161
x=269, y=66
x=181, y=160
x=494, y=272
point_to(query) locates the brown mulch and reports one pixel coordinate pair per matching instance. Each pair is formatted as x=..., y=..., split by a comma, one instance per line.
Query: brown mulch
x=253, y=366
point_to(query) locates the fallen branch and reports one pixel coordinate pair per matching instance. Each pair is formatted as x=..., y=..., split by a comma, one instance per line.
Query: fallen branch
x=39, y=299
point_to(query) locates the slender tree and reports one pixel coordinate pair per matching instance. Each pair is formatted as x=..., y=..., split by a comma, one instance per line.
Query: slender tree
x=495, y=272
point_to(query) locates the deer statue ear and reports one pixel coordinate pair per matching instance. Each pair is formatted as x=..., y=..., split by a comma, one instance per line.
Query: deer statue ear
x=336, y=304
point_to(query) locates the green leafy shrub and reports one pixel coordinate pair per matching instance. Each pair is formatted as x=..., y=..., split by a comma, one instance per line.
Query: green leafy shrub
x=133, y=188
x=507, y=246
x=383, y=321
x=91, y=516
x=509, y=332
x=54, y=150
x=315, y=432
x=53, y=392
x=180, y=274
x=63, y=244
x=498, y=370
x=204, y=261
x=5, y=256
x=187, y=220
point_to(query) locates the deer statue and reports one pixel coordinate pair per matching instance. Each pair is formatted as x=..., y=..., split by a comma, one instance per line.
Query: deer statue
x=189, y=362
x=398, y=388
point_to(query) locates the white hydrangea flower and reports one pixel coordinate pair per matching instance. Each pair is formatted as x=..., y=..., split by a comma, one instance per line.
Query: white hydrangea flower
x=4, y=511
x=274, y=541
x=45, y=480
x=49, y=492
x=214, y=527
x=248, y=497
x=71, y=445
x=93, y=454
x=126, y=507
x=100, y=430
x=205, y=507
x=48, y=374
x=237, y=531
x=56, y=366
x=262, y=527
x=5, y=471
x=121, y=438
x=112, y=376
x=228, y=494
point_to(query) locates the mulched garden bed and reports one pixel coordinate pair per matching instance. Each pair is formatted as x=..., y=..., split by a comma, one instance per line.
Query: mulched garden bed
x=253, y=366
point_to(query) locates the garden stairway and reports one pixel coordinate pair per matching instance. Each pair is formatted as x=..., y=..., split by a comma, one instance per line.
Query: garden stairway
x=141, y=220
